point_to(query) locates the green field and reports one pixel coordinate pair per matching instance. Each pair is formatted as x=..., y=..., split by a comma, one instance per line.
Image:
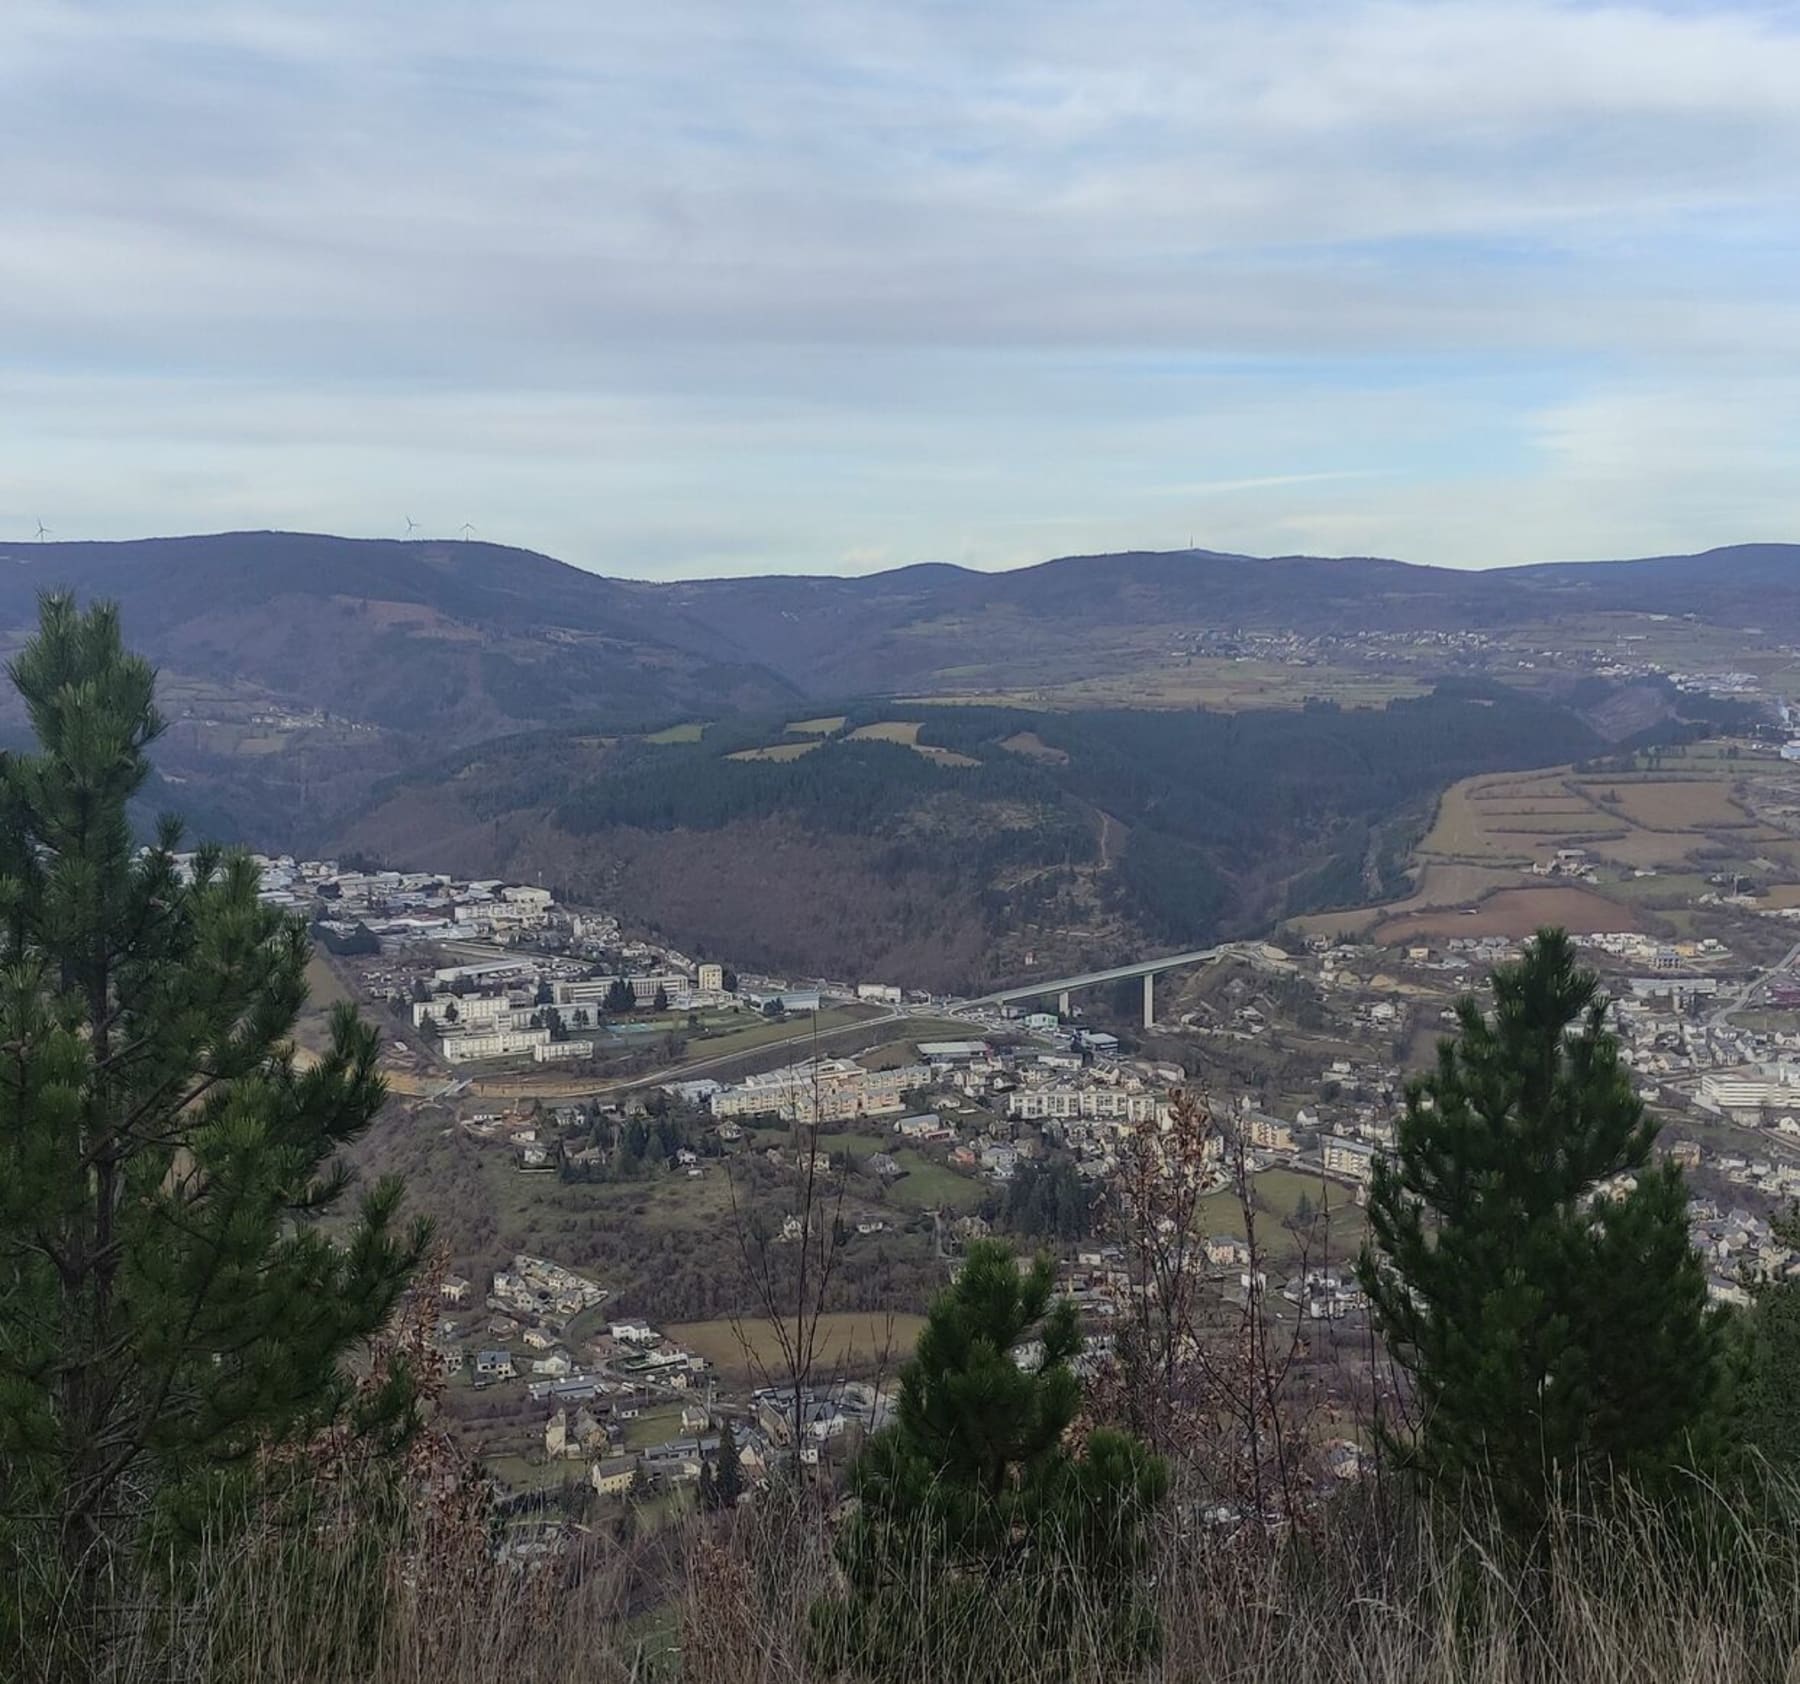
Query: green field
x=1676, y=887
x=759, y=1032
x=689, y=732
x=858, y=1145
x=928, y=1184
x=654, y=1426
x=535, y=1472
x=1278, y=1194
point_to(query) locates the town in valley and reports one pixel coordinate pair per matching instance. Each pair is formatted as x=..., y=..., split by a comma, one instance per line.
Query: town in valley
x=616, y=1135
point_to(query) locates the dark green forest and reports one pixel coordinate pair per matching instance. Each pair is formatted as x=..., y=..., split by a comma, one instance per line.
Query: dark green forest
x=1229, y=820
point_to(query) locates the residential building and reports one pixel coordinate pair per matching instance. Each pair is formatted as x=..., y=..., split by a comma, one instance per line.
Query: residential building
x=1348, y=1157
x=493, y=1043
x=827, y=1090
x=1268, y=1134
x=546, y=1052
x=494, y=1365
x=612, y=1478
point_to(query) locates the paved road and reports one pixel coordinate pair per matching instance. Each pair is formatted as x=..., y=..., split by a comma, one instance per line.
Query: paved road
x=699, y=1067
x=1751, y=989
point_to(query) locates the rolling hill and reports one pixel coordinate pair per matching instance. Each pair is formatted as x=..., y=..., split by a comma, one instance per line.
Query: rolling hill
x=971, y=843
x=470, y=703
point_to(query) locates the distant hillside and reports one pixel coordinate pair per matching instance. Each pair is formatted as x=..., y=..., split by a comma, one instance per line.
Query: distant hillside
x=299, y=671
x=455, y=639
x=945, y=850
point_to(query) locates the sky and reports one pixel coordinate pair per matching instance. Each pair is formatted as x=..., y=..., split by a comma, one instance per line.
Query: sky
x=684, y=288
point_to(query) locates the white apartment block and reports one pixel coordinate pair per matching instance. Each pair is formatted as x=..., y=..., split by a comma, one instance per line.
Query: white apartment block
x=547, y=1051
x=493, y=1043
x=1721, y=1092
x=476, y=1011
x=834, y=1090
x=592, y=991
x=1064, y=1103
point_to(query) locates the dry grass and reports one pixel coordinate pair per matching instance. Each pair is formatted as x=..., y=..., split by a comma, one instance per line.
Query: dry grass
x=1515, y=913
x=889, y=731
x=1440, y=885
x=1687, y=804
x=1033, y=747
x=1374, y=1590
x=777, y=751
x=853, y=1343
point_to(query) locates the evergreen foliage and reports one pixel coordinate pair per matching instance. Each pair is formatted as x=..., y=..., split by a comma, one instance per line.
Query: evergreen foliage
x=729, y=1475
x=975, y=1490
x=1768, y=1393
x=170, y=1303
x=1048, y=1200
x=1555, y=1334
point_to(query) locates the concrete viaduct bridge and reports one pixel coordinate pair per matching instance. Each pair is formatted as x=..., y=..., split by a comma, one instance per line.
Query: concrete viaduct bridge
x=1148, y=969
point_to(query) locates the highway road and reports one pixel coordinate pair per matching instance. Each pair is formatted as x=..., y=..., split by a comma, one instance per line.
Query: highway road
x=1751, y=989
x=1117, y=973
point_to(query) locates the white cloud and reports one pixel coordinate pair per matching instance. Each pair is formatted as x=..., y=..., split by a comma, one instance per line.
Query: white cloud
x=898, y=279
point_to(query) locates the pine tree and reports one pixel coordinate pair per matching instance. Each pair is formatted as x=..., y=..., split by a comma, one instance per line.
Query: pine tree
x=729, y=1479
x=709, y=1487
x=169, y=1302
x=661, y=1001
x=1767, y=1401
x=1553, y=1333
x=975, y=1487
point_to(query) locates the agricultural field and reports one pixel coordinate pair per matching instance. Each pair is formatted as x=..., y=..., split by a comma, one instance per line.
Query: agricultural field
x=1515, y=913
x=827, y=725
x=778, y=751
x=1690, y=804
x=1184, y=681
x=859, y=1343
x=691, y=731
x=889, y=731
x=1669, y=816
x=1440, y=885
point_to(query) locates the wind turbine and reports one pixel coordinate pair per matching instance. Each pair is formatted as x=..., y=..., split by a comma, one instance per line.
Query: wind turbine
x=465, y=529
x=43, y=532
x=412, y=526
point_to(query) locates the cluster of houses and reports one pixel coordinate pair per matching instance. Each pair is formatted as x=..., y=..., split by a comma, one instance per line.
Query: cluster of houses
x=405, y=906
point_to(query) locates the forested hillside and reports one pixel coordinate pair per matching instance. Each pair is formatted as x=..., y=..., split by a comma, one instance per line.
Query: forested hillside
x=1005, y=830
x=298, y=670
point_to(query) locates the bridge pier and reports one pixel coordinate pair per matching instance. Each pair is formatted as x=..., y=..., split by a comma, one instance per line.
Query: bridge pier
x=1149, y=1000
x=1062, y=1003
